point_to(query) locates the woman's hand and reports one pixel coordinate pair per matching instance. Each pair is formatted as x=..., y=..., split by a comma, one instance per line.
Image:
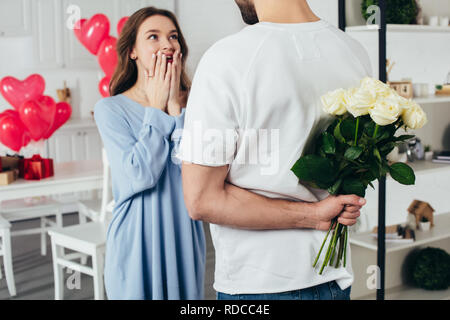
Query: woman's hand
x=158, y=81
x=174, y=102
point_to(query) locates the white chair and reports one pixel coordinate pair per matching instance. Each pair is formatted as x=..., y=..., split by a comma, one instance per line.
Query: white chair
x=22, y=209
x=5, y=251
x=87, y=239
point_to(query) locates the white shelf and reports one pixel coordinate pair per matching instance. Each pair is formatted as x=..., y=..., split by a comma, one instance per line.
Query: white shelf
x=424, y=166
x=432, y=99
x=410, y=293
x=440, y=231
x=400, y=28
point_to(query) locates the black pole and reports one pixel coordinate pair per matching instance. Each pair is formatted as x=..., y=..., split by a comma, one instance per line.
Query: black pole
x=342, y=18
x=382, y=182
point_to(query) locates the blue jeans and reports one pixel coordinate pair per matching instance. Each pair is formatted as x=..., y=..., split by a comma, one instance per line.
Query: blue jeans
x=324, y=291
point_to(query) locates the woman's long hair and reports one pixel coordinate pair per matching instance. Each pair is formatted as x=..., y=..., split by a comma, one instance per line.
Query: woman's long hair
x=126, y=72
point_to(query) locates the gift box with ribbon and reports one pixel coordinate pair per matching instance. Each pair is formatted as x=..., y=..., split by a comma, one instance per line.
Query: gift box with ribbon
x=36, y=168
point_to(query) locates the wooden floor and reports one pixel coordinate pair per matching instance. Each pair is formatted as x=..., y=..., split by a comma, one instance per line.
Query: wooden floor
x=34, y=273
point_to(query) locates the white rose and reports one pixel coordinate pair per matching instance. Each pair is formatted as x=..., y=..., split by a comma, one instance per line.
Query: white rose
x=333, y=102
x=376, y=88
x=359, y=101
x=385, y=111
x=413, y=116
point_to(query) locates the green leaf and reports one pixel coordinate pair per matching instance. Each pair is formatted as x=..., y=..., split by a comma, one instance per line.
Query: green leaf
x=334, y=188
x=369, y=175
x=337, y=133
x=354, y=185
x=402, y=173
x=332, y=126
x=312, y=168
x=376, y=153
x=387, y=148
x=329, y=145
x=404, y=137
x=353, y=153
x=348, y=127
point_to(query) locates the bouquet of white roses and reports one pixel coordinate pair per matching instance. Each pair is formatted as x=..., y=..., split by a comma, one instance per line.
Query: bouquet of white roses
x=352, y=151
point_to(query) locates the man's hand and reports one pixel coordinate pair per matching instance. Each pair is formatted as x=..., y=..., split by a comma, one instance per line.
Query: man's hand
x=345, y=206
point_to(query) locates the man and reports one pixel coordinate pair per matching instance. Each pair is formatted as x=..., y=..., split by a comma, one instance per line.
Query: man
x=266, y=81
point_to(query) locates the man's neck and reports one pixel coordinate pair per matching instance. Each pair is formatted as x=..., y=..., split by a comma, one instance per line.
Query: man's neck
x=286, y=11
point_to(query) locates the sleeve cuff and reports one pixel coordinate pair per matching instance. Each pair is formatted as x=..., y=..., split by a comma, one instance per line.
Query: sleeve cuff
x=159, y=120
x=179, y=120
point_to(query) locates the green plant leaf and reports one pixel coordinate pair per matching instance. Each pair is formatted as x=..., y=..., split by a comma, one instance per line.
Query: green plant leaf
x=335, y=187
x=397, y=11
x=348, y=127
x=402, y=173
x=404, y=137
x=337, y=133
x=377, y=155
x=352, y=185
x=387, y=148
x=329, y=145
x=315, y=169
x=353, y=153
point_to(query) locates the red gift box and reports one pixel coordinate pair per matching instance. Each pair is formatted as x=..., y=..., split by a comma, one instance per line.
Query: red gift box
x=36, y=168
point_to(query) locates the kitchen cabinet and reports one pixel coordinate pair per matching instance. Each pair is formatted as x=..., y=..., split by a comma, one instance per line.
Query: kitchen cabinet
x=77, y=140
x=47, y=33
x=15, y=16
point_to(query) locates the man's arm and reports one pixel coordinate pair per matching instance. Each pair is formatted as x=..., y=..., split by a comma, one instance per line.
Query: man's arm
x=210, y=198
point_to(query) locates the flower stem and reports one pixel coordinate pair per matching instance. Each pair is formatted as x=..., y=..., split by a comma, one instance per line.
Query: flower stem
x=376, y=131
x=336, y=239
x=341, y=247
x=356, y=131
x=345, y=246
x=323, y=243
x=330, y=248
x=330, y=245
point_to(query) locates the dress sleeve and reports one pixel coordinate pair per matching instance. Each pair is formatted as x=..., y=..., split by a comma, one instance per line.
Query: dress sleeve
x=141, y=158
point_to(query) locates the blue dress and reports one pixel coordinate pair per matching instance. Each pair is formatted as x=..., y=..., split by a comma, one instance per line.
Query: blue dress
x=154, y=250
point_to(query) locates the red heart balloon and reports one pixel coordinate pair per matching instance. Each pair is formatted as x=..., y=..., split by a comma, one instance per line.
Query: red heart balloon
x=35, y=116
x=120, y=24
x=13, y=133
x=92, y=32
x=103, y=86
x=48, y=108
x=16, y=92
x=107, y=56
x=9, y=112
x=63, y=113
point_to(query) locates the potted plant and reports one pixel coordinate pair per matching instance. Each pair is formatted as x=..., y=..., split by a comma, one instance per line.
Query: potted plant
x=428, y=153
x=424, y=224
x=397, y=11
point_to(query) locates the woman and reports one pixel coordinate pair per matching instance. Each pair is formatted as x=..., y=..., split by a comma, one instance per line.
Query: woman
x=153, y=250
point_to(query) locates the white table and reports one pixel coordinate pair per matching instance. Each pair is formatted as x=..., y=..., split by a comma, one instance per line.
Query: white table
x=69, y=177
